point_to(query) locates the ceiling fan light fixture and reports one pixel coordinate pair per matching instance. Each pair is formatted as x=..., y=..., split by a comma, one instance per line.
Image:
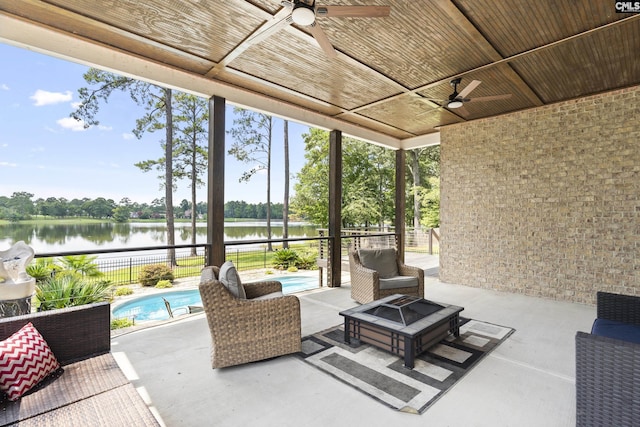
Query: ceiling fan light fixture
x=454, y=104
x=303, y=15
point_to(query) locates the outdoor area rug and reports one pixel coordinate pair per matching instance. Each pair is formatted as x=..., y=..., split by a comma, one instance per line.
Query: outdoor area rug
x=383, y=376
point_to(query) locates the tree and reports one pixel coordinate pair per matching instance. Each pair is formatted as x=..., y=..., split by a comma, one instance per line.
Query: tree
x=431, y=204
x=367, y=182
x=22, y=205
x=192, y=120
x=157, y=104
x=311, y=200
x=424, y=164
x=252, y=134
x=121, y=214
x=99, y=208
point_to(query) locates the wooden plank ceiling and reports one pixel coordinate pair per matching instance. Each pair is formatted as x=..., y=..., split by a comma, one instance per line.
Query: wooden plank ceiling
x=390, y=75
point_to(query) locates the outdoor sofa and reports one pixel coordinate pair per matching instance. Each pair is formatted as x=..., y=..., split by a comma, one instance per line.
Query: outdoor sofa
x=608, y=364
x=89, y=389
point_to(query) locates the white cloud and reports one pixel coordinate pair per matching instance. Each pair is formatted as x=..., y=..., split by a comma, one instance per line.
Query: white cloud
x=72, y=124
x=4, y=87
x=8, y=165
x=114, y=165
x=42, y=97
x=103, y=127
x=128, y=136
x=5, y=145
x=76, y=105
x=38, y=149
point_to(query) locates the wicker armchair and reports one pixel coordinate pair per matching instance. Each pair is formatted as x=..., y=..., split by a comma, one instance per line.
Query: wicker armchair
x=607, y=374
x=365, y=282
x=245, y=331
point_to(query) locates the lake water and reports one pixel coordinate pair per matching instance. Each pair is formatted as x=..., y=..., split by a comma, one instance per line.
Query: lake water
x=77, y=237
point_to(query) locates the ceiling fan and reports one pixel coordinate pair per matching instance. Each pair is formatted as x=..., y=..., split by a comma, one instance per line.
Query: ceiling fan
x=456, y=100
x=305, y=12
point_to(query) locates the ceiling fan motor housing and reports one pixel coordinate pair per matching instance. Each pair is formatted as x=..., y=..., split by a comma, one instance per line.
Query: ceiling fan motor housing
x=303, y=14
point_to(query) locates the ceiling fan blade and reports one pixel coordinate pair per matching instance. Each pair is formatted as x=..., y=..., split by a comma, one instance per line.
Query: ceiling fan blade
x=279, y=20
x=354, y=11
x=461, y=111
x=322, y=40
x=490, y=98
x=467, y=90
x=432, y=102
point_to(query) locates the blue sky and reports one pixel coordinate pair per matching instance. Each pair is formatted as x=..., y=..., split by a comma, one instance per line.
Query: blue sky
x=45, y=152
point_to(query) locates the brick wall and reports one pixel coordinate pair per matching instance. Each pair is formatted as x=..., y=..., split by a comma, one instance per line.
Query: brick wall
x=546, y=201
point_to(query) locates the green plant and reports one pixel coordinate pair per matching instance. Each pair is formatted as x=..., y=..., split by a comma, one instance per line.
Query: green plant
x=292, y=269
x=123, y=291
x=163, y=284
x=125, y=322
x=42, y=269
x=307, y=261
x=151, y=274
x=268, y=272
x=83, y=264
x=68, y=290
x=284, y=258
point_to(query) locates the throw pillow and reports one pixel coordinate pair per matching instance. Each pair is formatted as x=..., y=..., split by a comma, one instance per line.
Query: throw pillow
x=25, y=360
x=230, y=279
x=207, y=275
x=382, y=260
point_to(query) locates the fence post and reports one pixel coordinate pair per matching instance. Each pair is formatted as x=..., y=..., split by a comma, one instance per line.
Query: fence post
x=238, y=259
x=130, y=271
x=431, y=241
x=264, y=258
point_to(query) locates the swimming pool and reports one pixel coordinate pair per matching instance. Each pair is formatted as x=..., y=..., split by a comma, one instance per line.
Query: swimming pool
x=151, y=307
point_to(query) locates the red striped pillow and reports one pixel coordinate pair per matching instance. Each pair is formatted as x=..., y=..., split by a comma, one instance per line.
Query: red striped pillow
x=25, y=360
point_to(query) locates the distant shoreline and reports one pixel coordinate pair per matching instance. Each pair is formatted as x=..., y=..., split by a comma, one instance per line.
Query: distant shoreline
x=37, y=219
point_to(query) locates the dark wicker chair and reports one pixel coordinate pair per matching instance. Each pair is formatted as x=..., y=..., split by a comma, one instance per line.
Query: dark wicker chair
x=365, y=282
x=608, y=370
x=245, y=331
x=92, y=390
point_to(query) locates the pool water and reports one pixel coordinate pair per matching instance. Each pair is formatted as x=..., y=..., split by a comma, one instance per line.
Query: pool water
x=151, y=307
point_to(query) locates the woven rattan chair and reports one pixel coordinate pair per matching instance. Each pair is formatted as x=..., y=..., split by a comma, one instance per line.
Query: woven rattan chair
x=246, y=330
x=607, y=369
x=365, y=282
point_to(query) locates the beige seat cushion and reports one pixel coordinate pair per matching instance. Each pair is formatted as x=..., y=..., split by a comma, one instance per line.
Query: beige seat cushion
x=277, y=294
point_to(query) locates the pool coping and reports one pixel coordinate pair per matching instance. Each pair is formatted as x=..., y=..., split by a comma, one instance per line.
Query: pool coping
x=191, y=283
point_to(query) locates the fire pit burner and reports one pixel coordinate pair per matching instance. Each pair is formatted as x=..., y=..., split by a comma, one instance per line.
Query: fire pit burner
x=405, y=309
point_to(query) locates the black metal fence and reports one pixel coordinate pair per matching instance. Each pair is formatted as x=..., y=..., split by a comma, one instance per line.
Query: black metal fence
x=122, y=266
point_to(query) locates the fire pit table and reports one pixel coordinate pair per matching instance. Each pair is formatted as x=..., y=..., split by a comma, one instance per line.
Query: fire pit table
x=403, y=325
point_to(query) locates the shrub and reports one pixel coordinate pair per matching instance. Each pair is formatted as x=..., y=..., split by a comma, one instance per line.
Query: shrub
x=68, y=290
x=125, y=322
x=123, y=290
x=284, y=258
x=83, y=264
x=307, y=261
x=163, y=284
x=151, y=274
x=42, y=269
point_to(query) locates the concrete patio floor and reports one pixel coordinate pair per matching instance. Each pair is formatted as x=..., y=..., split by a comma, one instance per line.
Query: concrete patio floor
x=529, y=380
